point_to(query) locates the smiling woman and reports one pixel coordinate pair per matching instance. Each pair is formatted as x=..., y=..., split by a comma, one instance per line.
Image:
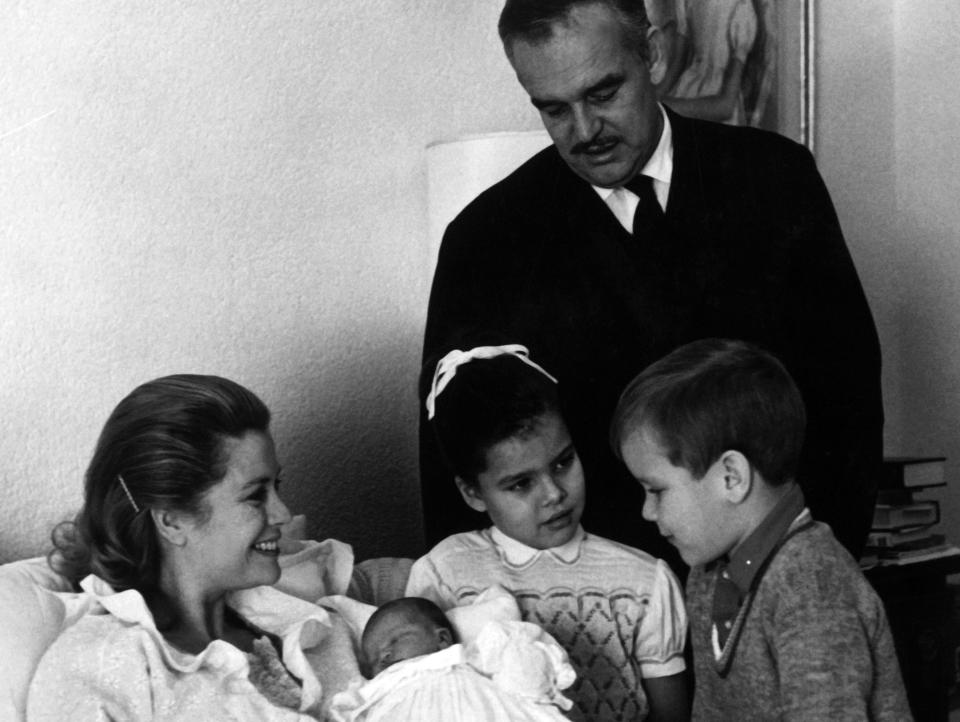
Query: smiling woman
x=233, y=544
x=180, y=509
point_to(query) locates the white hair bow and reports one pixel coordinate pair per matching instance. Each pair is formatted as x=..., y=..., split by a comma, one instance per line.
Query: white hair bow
x=447, y=367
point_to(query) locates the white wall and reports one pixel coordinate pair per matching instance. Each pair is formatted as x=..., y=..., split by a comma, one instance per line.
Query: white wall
x=889, y=148
x=927, y=110
x=854, y=140
x=238, y=188
x=231, y=188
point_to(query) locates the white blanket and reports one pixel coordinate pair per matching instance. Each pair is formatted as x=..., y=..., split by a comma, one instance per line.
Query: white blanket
x=512, y=671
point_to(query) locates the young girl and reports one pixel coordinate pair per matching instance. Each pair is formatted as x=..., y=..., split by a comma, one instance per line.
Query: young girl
x=616, y=610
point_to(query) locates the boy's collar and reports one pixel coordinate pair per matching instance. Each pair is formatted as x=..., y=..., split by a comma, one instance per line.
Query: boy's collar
x=518, y=554
x=749, y=556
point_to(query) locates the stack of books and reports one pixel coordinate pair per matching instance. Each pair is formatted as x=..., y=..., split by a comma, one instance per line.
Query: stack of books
x=905, y=528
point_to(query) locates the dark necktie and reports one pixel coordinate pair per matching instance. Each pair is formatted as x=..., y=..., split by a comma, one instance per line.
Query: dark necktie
x=726, y=604
x=648, y=218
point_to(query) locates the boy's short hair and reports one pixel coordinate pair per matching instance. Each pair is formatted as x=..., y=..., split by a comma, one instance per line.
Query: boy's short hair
x=711, y=396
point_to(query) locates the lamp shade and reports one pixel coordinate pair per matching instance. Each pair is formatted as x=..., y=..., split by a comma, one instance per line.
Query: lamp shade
x=459, y=170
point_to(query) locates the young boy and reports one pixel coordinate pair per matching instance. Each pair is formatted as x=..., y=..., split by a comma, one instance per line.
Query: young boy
x=784, y=625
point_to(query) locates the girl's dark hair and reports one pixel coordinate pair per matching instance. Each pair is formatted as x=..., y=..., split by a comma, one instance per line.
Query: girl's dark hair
x=487, y=401
x=711, y=396
x=166, y=441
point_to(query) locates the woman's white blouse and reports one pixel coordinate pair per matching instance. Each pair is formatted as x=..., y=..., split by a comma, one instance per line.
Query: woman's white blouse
x=113, y=664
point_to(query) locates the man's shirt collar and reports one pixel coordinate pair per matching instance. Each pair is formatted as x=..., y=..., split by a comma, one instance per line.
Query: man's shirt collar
x=519, y=554
x=659, y=165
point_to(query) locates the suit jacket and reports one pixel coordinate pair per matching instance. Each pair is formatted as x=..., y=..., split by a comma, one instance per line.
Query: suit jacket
x=753, y=250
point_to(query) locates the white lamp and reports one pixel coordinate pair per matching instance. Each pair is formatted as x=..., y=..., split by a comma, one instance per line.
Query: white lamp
x=459, y=170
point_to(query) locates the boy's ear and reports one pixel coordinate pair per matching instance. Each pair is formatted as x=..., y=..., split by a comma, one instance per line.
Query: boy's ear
x=444, y=638
x=737, y=476
x=471, y=495
x=170, y=525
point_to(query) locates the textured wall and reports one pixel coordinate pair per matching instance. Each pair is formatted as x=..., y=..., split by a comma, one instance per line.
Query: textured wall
x=232, y=188
x=238, y=188
x=855, y=135
x=927, y=227
x=888, y=146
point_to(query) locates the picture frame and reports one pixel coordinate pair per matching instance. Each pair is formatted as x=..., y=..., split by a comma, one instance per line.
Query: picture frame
x=773, y=40
x=796, y=83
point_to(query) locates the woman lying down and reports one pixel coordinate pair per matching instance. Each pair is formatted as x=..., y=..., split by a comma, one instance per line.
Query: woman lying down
x=174, y=553
x=512, y=670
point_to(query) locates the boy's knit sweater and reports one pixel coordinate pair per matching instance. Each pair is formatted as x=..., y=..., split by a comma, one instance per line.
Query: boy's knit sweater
x=617, y=611
x=813, y=644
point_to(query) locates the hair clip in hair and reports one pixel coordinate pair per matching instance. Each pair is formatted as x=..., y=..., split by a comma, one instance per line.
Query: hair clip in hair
x=136, y=509
x=447, y=367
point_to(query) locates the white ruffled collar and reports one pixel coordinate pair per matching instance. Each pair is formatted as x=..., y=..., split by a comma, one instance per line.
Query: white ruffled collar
x=519, y=554
x=299, y=624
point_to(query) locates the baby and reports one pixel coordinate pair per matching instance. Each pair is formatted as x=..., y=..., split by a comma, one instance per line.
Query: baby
x=511, y=670
x=401, y=629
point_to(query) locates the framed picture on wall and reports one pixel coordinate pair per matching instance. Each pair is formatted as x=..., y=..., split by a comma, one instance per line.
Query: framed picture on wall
x=745, y=62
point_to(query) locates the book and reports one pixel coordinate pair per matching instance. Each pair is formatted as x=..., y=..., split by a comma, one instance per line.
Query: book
x=912, y=472
x=895, y=497
x=913, y=553
x=898, y=516
x=893, y=537
x=930, y=543
x=948, y=550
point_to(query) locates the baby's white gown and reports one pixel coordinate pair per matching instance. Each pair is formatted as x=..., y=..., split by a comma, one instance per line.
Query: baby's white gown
x=512, y=672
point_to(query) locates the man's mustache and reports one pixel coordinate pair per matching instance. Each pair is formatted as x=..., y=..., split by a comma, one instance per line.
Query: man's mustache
x=592, y=145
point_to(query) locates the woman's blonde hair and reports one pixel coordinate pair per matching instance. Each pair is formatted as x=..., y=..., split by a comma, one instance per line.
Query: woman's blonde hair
x=162, y=447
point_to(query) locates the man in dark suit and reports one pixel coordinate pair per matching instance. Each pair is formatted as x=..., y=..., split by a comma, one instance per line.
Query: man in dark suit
x=640, y=230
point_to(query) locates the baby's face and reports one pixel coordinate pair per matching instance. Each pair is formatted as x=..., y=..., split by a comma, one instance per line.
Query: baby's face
x=398, y=636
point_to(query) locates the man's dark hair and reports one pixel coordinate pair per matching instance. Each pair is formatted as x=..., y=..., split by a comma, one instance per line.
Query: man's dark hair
x=534, y=20
x=715, y=395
